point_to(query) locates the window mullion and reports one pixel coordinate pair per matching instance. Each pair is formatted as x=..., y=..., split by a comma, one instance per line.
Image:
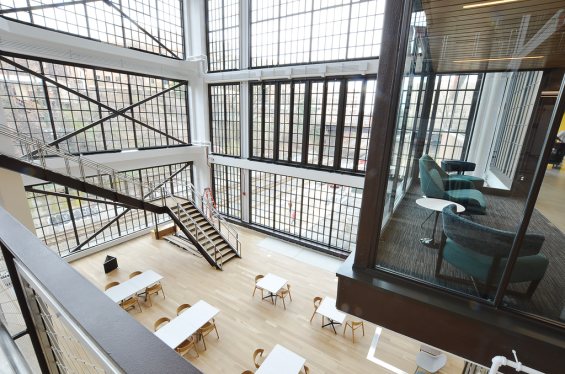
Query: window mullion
x=306, y=120
x=277, y=114
x=133, y=114
x=290, y=122
x=225, y=121
x=360, y=125
x=340, y=124
x=262, y=85
x=48, y=104
x=323, y=123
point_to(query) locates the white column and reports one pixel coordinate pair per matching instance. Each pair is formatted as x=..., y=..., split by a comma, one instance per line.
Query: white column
x=12, y=194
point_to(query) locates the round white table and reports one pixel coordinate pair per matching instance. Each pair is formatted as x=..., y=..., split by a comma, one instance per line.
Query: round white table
x=437, y=205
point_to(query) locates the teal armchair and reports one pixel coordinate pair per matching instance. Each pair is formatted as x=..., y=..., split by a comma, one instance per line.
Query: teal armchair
x=482, y=253
x=436, y=183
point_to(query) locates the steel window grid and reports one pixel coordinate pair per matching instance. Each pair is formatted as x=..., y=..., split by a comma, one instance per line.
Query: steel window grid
x=222, y=34
x=224, y=114
x=226, y=185
x=324, y=214
x=62, y=238
x=290, y=32
x=453, y=109
x=99, y=21
x=48, y=112
x=304, y=121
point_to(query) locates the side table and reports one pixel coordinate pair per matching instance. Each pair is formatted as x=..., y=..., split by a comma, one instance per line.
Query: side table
x=437, y=205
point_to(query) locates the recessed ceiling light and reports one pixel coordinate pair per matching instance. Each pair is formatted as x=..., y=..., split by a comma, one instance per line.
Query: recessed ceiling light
x=500, y=59
x=488, y=3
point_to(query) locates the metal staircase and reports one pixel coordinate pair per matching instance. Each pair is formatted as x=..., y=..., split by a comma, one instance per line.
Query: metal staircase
x=213, y=236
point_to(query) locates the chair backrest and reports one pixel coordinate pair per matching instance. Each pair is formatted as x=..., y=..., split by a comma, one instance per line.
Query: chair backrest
x=306, y=370
x=486, y=240
x=182, y=307
x=257, y=352
x=210, y=327
x=354, y=325
x=110, y=285
x=160, y=321
x=134, y=274
x=259, y=277
x=247, y=372
x=317, y=300
x=185, y=346
x=432, y=178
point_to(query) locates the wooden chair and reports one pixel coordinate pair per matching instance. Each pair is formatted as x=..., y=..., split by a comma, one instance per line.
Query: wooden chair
x=306, y=370
x=186, y=346
x=110, y=285
x=247, y=372
x=354, y=326
x=182, y=307
x=134, y=274
x=260, y=353
x=257, y=288
x=206, y=329
x=131, y=303
x=282, y=295
x=319, y=301
x=160, y=321
x=154, y=290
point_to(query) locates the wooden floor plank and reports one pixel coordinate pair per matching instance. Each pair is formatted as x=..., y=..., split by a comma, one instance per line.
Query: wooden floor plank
x=245, y=323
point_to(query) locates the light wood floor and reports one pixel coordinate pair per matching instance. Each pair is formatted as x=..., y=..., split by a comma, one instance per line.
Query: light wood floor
x=246, y=323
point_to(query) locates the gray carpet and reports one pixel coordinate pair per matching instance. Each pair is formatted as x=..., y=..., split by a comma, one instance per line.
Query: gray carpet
x=401, y=251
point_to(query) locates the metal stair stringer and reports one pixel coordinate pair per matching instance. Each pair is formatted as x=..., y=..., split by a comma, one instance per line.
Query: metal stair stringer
x=192, y=238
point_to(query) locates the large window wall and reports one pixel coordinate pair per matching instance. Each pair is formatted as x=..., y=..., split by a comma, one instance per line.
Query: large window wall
x=41, y=110
x=227, y=189
x=224, y=119
x=323, y=123
x=154, y=26
x=223, y=34
x=322, y=213
x=63, y=223
x=302, y=32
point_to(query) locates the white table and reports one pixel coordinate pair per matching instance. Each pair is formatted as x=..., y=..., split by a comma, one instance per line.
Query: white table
x=180, y=328
x=436, y=205
x=327, y=309
x=281, y=361
x=133, y=286
x=121, y=292
x=271, y=283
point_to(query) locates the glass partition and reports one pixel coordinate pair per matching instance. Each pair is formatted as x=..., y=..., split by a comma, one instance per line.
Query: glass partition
x=470, y=127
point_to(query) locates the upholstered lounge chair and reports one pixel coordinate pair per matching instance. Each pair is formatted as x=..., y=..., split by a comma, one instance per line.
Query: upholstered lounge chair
x=438, y=184
x=482, y=252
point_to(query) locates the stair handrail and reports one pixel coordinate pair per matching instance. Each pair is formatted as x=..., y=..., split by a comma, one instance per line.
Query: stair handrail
x=41, y=149
x=165, y=192
x=215, y=214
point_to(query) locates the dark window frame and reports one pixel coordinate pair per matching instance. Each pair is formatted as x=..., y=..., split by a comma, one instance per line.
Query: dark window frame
x=122, y=226
x=229, y=188
x=180, y=53
x=223, y=61
x=250, y=42
x=298, y=229
x=164, y=101
x=226, y=125
x=306, y=122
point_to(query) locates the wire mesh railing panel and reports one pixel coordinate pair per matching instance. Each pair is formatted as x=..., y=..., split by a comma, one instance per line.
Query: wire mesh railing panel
x=70, y=355
x=11, y=315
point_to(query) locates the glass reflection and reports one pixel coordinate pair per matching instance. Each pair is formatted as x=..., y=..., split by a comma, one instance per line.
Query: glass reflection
x=471, y=123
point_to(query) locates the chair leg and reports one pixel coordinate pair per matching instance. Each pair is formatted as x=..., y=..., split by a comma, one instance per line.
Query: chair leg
x=255, y=289
x=216, y=328
x=149, y=296
x=532, y=288
x=289, y=295
x=283, y=303
x=363, y=328
x=312, y=316
x=204, y=341
x=139, y=305
x=353, y=333
x=345, y=328
x=163, y=293
x=196, y=349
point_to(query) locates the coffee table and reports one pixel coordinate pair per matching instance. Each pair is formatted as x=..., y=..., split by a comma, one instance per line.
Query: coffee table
x=437, y=205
